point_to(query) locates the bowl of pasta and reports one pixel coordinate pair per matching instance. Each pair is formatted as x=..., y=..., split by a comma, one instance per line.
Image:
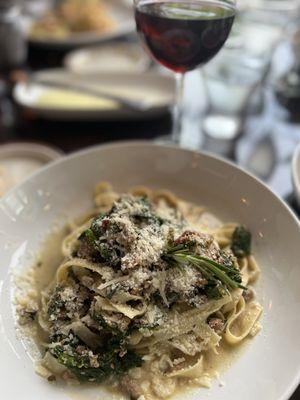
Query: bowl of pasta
x=134, y=270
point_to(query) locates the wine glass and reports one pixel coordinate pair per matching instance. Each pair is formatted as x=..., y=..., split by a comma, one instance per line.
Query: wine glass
x=183, y=35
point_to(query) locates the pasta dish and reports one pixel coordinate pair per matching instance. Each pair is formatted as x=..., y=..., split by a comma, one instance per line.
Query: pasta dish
x=74, y=16
x=148, y=288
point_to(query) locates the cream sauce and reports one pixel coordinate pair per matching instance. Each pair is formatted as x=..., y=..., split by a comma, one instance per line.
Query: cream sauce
x=44, y=270
x=49, y=258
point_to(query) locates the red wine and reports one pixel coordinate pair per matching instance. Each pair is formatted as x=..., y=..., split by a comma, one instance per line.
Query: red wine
x=183, y=35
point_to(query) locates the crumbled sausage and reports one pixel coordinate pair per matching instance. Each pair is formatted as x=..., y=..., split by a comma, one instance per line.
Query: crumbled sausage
x=202, y=243
x=216, y=324
x=85, y=249
x=248, y=295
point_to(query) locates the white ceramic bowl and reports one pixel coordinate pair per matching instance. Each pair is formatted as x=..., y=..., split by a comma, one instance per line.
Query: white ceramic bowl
x=296, y=174
x=269, y=366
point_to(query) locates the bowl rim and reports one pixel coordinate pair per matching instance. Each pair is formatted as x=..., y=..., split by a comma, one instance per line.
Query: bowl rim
x=295, y=173
x=36, y=150
x=150, y=143
x=138, y=143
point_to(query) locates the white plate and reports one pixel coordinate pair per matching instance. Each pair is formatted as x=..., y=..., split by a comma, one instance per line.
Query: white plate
x=269, y=366
x=158, y=90
x=296, y=173
x=113, y=57
x=122, y=13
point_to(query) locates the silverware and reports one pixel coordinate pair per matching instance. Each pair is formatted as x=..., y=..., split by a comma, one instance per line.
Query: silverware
x=132, y=105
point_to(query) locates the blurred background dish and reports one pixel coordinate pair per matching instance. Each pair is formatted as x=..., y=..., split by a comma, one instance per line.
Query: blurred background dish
x=57, y=103
x=277, y=12
x=286, y=78
x=233, y=75
x=257, y=37
x=69, y=23
x=287, y=90
x=20, y=160
x=120, y=56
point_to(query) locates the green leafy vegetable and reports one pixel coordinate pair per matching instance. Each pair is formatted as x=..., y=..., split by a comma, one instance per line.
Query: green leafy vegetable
x=215, y=290
x=215, y=273
x=147, y=218
x=89, y=234
x=110, y=363
x=108, y=325
x=100, y=248
x=56, y=304
x=96, y=226
x=114, y=360
x=107, y=253
x=241, y=242
x=141, y=325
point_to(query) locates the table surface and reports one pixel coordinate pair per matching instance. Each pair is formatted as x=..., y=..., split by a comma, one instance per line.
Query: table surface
x=261, y=131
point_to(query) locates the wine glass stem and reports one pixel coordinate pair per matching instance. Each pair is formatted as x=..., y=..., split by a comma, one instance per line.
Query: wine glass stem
x=178, y=108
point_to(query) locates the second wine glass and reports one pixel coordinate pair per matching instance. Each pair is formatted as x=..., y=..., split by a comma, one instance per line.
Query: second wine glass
x=183, y=35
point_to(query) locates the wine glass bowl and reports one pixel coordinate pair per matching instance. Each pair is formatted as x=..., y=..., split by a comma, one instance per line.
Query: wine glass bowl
x=183, y=35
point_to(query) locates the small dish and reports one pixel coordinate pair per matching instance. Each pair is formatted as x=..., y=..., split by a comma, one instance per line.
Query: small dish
x=19, y=160
x=114, y=57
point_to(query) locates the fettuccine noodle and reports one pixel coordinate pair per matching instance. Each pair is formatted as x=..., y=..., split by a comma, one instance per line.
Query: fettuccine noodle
x=120, y=283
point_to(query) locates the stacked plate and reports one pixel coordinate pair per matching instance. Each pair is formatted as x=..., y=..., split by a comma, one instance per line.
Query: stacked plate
x=107, y=81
